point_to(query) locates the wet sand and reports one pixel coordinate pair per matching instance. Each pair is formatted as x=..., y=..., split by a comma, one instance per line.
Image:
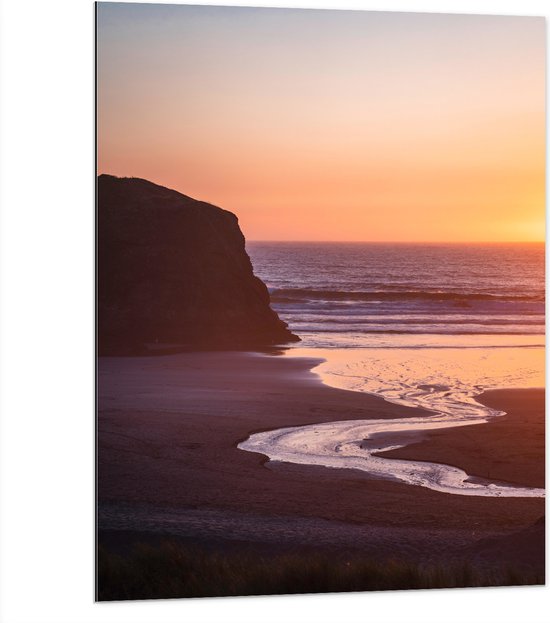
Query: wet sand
x=168, y=463
x=509, y=448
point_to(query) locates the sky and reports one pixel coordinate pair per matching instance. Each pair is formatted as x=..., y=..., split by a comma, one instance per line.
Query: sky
x=331, y=125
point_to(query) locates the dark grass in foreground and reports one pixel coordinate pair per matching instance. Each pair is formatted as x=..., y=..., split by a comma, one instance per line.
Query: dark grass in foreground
x=172, y=570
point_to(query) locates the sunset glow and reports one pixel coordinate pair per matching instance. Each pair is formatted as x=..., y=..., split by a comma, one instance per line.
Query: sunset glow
x=318, y=125
x=352, y=376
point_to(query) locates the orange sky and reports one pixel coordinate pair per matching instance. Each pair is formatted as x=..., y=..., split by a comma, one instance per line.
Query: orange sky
x=331, y=125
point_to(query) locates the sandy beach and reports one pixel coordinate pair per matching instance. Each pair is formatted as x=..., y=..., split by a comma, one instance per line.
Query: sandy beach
x=168, y=431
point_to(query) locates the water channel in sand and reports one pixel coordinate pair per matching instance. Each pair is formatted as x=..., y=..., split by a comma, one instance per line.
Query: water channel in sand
x=445, y=380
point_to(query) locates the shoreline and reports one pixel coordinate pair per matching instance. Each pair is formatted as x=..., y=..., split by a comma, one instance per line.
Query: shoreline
x=163, y=472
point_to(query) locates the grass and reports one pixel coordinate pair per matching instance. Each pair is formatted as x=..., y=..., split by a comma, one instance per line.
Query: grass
x=172, y=570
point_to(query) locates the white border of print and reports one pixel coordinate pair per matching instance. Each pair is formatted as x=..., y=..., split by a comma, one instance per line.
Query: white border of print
x=47, y=368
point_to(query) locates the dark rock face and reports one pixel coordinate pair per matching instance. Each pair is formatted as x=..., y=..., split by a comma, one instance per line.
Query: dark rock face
x=173, y=270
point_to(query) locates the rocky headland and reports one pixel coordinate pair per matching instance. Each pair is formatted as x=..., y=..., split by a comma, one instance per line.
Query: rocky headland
x=173, y=272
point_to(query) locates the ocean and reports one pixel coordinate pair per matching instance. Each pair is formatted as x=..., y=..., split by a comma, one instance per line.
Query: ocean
x=366, y=294
x=422, y=325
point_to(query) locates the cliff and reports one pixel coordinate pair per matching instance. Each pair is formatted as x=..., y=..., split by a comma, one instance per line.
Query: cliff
x=174, y=271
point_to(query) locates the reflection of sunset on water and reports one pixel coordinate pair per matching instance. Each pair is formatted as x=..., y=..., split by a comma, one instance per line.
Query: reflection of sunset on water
x=441, y=378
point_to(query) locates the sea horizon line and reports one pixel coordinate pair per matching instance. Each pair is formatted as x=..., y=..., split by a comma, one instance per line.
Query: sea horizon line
x=402, y=242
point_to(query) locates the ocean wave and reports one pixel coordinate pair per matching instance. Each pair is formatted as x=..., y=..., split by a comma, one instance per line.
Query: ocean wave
x=303, y=294
x=438, y=320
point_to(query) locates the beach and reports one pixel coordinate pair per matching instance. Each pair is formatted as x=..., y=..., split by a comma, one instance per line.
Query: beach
x=168, y=465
